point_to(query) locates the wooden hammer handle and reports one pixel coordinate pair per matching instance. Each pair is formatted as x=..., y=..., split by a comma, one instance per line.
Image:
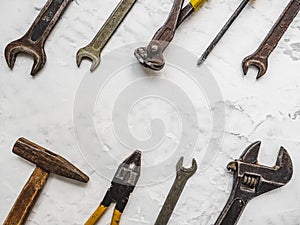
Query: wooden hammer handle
x=27, y=198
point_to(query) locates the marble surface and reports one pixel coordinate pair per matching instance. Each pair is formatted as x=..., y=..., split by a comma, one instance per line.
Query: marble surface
x=43, y=109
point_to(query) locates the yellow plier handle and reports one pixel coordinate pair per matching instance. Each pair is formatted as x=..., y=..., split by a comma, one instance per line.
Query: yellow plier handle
x=196, y=4
x=96, y=215
x=116, y=217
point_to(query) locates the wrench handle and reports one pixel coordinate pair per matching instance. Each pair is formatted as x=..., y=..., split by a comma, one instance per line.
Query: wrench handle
x=171, y=200
x=231, y=212
x=111, y=25
x=279, y=28
x=46, y=20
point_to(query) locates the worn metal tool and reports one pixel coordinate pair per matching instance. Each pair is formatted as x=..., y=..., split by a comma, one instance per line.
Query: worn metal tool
x=252, y=180
x=152, y=55
x=182, y=176
x=222, y=32
x=121, y=187
x=260, y=57
x=33, y=42
x=93, y=50
x=46, y=162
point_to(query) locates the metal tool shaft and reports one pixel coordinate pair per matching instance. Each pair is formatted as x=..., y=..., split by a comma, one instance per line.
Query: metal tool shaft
x=111, y=25
x=222, y=32
x=94, y=48
x=260, y=57
x=182, y=177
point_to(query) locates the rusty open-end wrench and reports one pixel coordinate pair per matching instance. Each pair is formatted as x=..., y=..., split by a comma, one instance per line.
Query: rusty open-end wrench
x=260, y=57
x=93, y=50
x=182, y=176
x=33, y=42
x=252, y=180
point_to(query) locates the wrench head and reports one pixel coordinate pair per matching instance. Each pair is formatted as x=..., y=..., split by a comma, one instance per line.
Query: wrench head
x=187, y=171
x=21, y=46
x=88, y=53
x=261, y=63
x=151, y=56
x=254, y=179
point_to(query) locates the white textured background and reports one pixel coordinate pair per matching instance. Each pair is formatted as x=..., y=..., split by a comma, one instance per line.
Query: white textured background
x=41, y=109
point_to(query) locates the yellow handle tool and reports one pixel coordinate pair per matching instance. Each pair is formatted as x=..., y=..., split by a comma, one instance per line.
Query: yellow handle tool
x=96, y=215
x=196, y=4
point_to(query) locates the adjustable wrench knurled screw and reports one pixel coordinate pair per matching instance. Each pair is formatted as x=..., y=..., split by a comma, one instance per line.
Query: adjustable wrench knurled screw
x=252, y=180
x=182, y=176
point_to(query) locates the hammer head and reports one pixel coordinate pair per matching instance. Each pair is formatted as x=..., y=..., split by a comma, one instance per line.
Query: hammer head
x=47, y=160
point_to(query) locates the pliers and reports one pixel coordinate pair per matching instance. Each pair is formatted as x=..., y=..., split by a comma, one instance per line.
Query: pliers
x=152, y=55
x=122, y=186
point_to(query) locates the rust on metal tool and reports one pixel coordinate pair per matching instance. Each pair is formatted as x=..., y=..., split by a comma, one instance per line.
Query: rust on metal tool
x=33, y=42
x=252, y=180
x=46, y=162
x=260, y=57
x=93, y=50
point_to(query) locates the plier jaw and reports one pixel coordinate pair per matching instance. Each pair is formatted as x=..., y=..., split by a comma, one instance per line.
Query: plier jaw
x=122, y=185
x=151, y=56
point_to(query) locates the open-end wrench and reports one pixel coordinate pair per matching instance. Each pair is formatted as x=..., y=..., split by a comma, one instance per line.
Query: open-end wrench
x=93, y=50
x=260, y=57
x=182, y=176
x=33, y=41
x=252, y=180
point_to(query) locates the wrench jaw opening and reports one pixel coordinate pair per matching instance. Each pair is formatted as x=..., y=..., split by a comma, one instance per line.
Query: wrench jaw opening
x=251, y=180
x=188, y=171
x=151, y=56
x=90, y=54
x=35, y=51
x=260, y=63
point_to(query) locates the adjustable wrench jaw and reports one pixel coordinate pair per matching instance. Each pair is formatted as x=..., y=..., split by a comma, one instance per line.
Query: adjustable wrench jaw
x=252, y=180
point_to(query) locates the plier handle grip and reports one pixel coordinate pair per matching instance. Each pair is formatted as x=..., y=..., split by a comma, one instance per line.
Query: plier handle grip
x=152, y=55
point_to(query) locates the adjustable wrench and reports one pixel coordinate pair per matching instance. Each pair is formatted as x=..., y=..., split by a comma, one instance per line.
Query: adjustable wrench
x=252, y=180
x=182, y=176
x=260, y=57
x=33, y=42
x=93, y=50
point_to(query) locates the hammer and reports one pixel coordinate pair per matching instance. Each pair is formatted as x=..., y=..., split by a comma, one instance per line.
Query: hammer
x=46, y=163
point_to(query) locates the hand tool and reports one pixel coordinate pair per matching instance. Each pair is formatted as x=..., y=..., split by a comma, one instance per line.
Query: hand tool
x=33, y=42
x=252, y=179
x=93, y=50
x=152, y=55
x=46, y=162
x=122, y=186
x=182, y=176
x=260, y=57
x=222, y=32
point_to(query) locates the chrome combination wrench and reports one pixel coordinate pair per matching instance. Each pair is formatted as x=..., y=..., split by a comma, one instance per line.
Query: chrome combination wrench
x=182, y=176
x=33, y=42
x=260, y=57
x=93, y=50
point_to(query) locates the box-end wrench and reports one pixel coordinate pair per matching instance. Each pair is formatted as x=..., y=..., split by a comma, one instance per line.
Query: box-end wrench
x=93, y=50
x=33, y=42
x=182, y=176
x=252, y=180
x=260, y=57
